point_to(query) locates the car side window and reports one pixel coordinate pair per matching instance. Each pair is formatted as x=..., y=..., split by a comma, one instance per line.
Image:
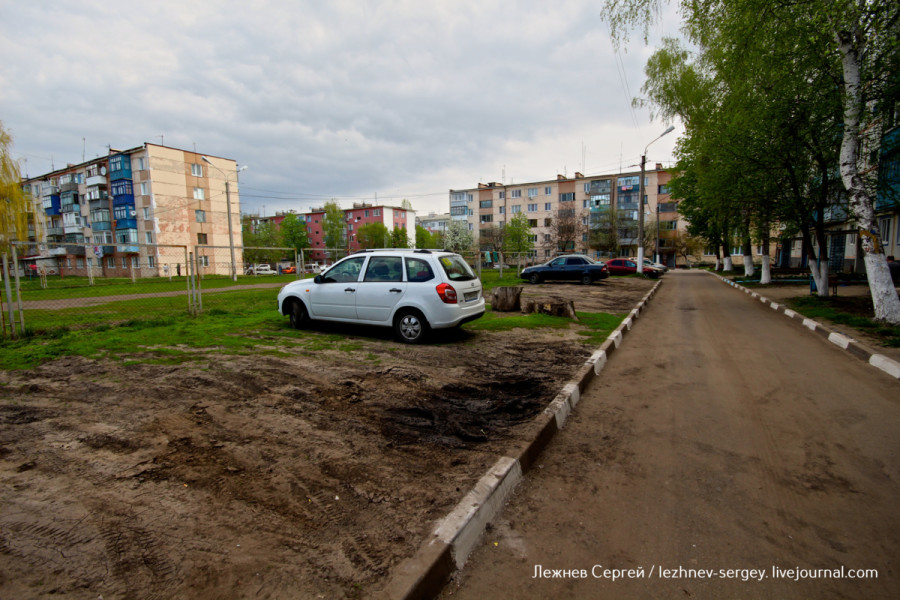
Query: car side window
x=418, y=270
x=384, y=268
x=344, y=271
x=558, y=262
x=630, y=264
x=574, y=261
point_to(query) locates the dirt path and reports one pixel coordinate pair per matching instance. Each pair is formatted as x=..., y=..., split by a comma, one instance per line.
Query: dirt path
x=307, y=469
x=720, y=436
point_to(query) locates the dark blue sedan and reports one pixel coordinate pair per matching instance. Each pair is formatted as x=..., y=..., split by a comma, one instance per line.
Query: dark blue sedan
x=573, y=267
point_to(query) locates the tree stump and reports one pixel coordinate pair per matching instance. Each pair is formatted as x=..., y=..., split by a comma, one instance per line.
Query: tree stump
x=556, y=307
x=506, y=299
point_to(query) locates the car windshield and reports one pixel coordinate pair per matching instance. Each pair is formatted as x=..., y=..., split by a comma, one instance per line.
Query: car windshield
x=456, y=268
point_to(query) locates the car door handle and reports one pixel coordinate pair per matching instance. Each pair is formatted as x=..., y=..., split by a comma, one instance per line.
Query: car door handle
x=396, y=290
x=349, y=290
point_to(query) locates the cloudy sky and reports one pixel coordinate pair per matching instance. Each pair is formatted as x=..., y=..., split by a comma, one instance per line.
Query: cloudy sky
x=344, y=99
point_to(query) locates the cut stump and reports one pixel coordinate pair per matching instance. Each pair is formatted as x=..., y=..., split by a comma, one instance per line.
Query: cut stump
x=550, y=306
x=506, y=299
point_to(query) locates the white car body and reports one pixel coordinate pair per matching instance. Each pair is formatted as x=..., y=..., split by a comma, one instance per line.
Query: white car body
x=410, y=290
x=261, y=270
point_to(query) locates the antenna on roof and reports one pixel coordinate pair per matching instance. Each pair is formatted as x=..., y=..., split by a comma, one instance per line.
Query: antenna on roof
x=82, y=149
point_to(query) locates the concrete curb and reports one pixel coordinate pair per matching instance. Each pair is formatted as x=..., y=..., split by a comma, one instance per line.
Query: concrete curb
x=879, y=361
x=424, y=575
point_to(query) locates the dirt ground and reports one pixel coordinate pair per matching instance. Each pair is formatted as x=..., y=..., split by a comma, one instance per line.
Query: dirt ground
x=260, y=476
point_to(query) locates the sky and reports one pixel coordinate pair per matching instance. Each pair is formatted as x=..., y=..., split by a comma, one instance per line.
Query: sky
x=352, y=100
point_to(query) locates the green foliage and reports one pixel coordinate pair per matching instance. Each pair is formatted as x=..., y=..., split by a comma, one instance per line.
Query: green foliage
x=294, y=233
x=424, y=238
x=14, y=203
x=517, y=235
x=399, y=238
x=373, y=235
x=333, y=225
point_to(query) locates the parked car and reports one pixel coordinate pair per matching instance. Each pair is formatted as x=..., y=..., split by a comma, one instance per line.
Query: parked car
x=649, y=263
x=627, y=266
x=260, y=270
x=289, y=270
x=412, y=291
x=575, y=267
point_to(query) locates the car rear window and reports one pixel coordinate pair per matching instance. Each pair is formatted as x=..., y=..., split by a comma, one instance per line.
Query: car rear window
x=418, y=270
x=456, y=268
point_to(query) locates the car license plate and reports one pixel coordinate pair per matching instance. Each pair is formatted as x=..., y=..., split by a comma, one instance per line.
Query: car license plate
x=470, y=296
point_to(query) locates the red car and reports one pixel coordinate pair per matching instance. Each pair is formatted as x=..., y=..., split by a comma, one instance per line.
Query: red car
x=626, y=266
x=288, y=270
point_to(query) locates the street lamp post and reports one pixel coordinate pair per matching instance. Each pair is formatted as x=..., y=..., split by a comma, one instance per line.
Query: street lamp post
x=640, y=240
x=228, y=202
x=657, y=229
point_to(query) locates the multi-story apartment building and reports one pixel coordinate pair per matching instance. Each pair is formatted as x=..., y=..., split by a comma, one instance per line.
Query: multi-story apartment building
x=434, y=222
x=122, y=205
x=392, y=217
x=563, y=212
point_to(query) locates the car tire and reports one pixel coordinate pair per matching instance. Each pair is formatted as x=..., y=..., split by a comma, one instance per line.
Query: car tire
x=298, y=315
x=410, y=326
x=534, y=278
x=586, y=279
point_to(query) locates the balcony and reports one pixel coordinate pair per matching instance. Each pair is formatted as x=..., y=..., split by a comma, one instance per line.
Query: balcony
x=119, y=167
x=70, y=208
x=101, y=225
x=126, y=223
x=67, y=229
x=68, y=187
x=49, y=190
x=129, y=249
x=96, y=180
x=54, y=231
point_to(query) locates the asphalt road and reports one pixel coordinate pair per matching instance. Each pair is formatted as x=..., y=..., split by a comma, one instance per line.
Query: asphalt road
x=724, y=452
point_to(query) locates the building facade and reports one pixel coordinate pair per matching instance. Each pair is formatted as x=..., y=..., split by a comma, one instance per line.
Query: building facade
x=114, y=215
x=568, y=214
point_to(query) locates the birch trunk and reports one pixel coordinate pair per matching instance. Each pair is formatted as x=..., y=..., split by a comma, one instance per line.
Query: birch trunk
x=820, y=276
x=862, y=205
x=766, y=276
x=749, y=269
x=728, y=264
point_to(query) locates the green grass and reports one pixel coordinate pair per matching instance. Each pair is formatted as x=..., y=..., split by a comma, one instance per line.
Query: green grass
x=241, y=322
x=850, y=311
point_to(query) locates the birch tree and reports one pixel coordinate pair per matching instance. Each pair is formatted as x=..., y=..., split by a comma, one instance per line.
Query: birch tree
x=14, y=203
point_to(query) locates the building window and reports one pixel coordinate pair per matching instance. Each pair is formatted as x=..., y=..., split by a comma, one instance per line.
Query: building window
x=199, y=194
x=204, y=261
x=135, y=262
x=111, y=262
x=532, y=207
x=148, y=237
x=140, y=164
x=668, y=225
x=532, y=192
x=548, y=222
x=377, y=213
x=501, y=210
x=487, y=218
x=548, y=191
x=662, y=189
x=201, y=239
x=197, y=170
x=548, y=206
x=486, y=204
x=570, y=197
x=587, y=188
x=124, y=262
x=517, y=208
x=146, y=213
x=151, y=261
x=586, y=203
x=79, y=263
x=200, y=215
x=532, y=223
x=502, y=196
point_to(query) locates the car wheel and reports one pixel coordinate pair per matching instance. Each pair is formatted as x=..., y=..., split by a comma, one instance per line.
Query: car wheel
x=586, y=279
x=410, y=326
x=534, y=278
x=298, y=315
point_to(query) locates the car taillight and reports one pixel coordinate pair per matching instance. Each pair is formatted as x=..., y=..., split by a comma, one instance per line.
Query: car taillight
x=447, y=293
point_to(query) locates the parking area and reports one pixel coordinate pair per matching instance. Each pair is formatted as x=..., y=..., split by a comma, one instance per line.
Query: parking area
x=305, y=471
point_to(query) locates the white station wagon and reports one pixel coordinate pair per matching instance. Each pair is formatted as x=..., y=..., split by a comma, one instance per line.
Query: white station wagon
x=412, y=291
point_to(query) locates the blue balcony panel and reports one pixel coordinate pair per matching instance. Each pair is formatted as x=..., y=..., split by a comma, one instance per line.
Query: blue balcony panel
x=126, y=223
x=129, y=249
x=101, y=225
x=119, y=167
x=108, y=250
x=123, y=200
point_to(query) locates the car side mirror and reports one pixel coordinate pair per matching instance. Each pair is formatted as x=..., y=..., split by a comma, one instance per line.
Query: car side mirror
x=317, y=279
